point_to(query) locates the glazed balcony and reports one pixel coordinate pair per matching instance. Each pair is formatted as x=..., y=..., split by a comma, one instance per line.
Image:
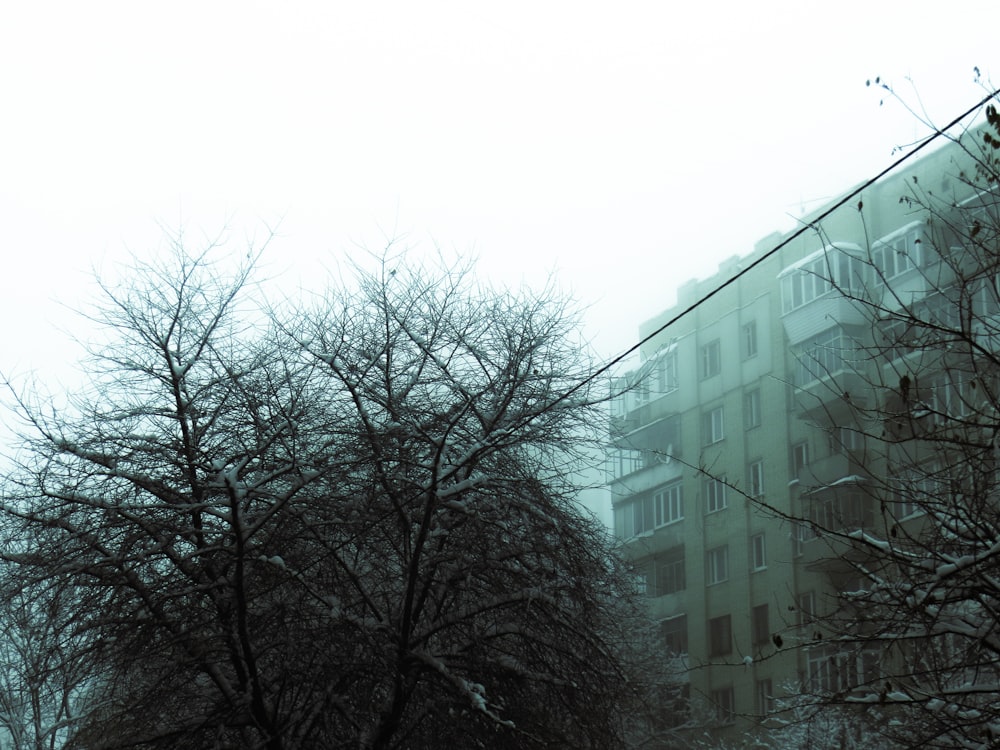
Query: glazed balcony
x=828, y=471
x=834, y=398
x=645, y=471
x=817, y=292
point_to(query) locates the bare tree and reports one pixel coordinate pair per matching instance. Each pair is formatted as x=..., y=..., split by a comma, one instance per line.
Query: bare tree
x=44, y=666
x=346, y=524
x=910, y=540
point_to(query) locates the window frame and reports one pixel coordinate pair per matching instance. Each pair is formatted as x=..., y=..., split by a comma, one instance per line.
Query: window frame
x=801, y=533
x=898, y=255
x=713, y=425
x=710, y=360
x=641, y=577
x=667, y=373
x=914, y=488
x=720, y=635
x=758, y=552
x=625, y=514
x=717, y=565
x=751, y=409
x=716, y=498
x=668, y=504
x=669, y=629
x=834, y=267
x=830, y=669
x=671, y=566
x=749, y=346
x=642, y=508
x=800, y=457
x=805, y=608
x=624, y=461
x=764, y=696
x=755, y=478
x=760, y=625
x=844, y=440
x=724, y=701
x=827, y=353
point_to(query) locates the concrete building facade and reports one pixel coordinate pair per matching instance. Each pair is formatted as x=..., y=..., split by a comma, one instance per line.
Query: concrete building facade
x=747, y=402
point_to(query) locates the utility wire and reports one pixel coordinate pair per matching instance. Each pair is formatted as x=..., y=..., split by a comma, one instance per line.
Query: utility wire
x=797, y=233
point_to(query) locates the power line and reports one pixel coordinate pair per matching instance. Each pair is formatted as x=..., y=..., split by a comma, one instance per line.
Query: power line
x=797, y=233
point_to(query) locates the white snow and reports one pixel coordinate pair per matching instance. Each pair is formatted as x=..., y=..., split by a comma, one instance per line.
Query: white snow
x=275, y=560
x=460, y=487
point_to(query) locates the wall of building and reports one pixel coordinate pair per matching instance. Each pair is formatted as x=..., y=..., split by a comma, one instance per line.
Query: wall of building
x=775, y=443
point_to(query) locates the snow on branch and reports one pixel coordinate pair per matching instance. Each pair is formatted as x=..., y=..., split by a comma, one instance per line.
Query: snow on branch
x=473, y=692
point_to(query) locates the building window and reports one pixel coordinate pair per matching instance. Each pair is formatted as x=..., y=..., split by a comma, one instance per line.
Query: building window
x=801, y=533
x=761, y=626
x=751, y=409
x=840, y=510
x=720, y=636
x=758, y=552
x=675, y=635
x=819, y=274
x=634, y=518
x=800, y=457
x=711, y=359
x=987, y=299
x=624, y=461
x=666, y=373
x=950, y=395
x=713, y=426
x=755, y=478
x=871, y=665
x=897, y=254
x=749, y=339
x=641, y=581
x=640, y=393
x=642, y=515
x=916, y=488
x=805, y=605
x=717, y=565
x=669, y=573
x=824, y=354
x=829, y=670
x=715, y=494
x=764, y=700
x=668, y=504
x=822, y=673
x=674, y=703
x=722, y=699
x=904, y=493
x=843, y=439
x=617, y=405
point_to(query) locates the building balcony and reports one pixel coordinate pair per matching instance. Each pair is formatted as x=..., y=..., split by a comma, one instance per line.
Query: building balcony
x=833, y=308
x=657, y=470
x=837, y=511
x=644, y=455
x=836, y=555
x=833, y=397
x=903, y=291
x=817, y=292
x=650, y=410
x=826, y=472
x=904, y=267
x=652, y=434
x=623, y=425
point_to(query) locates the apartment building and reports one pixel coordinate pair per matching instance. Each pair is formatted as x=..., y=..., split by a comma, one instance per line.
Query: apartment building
x=749, y=403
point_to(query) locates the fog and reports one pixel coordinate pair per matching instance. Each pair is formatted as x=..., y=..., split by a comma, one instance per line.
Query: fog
x=617, y=152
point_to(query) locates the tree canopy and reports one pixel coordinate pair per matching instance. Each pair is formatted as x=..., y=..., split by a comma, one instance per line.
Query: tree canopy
x=345, y=522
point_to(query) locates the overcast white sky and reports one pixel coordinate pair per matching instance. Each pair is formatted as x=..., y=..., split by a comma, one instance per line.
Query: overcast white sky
x=625, y=146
